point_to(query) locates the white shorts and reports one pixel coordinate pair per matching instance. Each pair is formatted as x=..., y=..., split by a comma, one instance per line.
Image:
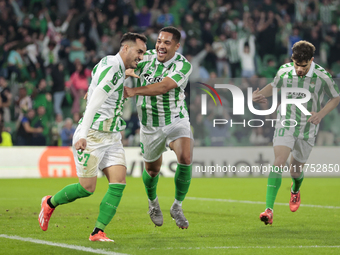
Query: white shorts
x=153, y=140
x=300, y=148
x=103, y=149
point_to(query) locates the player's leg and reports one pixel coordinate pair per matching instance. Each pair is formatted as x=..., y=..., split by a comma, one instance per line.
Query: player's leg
x=183, y=147
x=300, y=154
x=113, y=164
x=283, y=142
x=151, y=176
x=150, y=180
x=152, y=147
x=296, y=172
x=87, y=169
x=181, y=142
x=274, y=182
x=108, y=206
x=275, y=177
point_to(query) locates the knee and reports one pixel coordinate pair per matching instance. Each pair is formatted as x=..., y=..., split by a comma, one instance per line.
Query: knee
x=280, y=161
x=185, y=159
x=121, y=181
x=153, y=172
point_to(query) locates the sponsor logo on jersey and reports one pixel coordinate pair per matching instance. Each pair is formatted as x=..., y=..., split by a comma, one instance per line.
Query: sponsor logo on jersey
x=151, y=79
x=296, y=94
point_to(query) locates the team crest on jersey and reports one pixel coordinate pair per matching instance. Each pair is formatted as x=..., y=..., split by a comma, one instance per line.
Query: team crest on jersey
x=151, y=79
x=312, y=88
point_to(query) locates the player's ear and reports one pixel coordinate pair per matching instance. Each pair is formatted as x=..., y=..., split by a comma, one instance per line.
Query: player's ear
x=177, y=46
x=126, y=47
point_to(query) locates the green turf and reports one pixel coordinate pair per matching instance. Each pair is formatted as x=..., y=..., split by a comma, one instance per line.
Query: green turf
x=216, y=227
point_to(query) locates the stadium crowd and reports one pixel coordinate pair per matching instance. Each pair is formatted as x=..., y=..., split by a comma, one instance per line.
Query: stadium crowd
x=49, y=47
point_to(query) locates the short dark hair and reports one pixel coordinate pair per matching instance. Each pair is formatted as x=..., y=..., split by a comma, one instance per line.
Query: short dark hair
x=302, y=51
x=176, y=34
x=132, y=37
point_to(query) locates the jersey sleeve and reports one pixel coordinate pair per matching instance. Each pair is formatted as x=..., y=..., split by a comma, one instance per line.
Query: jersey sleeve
x=278, y=79
x=331, y=88
x=180, y=74
x=108, y=78
x=97, y=99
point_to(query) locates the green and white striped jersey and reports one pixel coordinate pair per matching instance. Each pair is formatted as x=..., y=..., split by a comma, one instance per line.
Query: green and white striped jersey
x=318, y=81
x=109, y=75
x=161, y=110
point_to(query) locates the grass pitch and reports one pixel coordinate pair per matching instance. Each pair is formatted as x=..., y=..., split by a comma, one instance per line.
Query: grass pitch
x=221, y=220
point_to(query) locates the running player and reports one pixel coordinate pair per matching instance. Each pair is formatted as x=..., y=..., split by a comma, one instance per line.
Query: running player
x=299, y=139
x=164, y=118
x=97, y=140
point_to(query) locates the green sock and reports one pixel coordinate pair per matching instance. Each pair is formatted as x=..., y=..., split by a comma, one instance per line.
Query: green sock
x=150, y=184
x=297, y=183
x=182, y=181
x=109, y=204
x=69, y=194
x=273, y=185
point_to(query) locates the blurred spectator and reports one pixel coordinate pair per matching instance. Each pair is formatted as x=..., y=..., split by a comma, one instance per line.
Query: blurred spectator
x=191, y=27
x=311, y=16
x=207, y=36
x=232, y=45
x=58, y=88
x=247, y=55
x=42, y=97
x=77, y=50
x=41, y=120
x=315, y=38
x=23, y=103
x=144, y=18
x=269, y=5
x=166, y=18
x=257, y=137
x=25, y=130
x=333, y=39
x=5, y=137
x=199, y=73
x=78, y=84
x=220, y=133
x=300, y=10
x=16, y=63
x=267, y=30
x=270, y=70
x=220, y=51
x=6, y=98
x=3, y=55
x=56, y=128
x=76, y=118
x=50, y=52
x=67, y=132
x=327, y=8
x=295, y=37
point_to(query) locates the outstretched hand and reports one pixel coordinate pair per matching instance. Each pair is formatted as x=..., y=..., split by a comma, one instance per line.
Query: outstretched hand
x=258, y=97
x=130, y=73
